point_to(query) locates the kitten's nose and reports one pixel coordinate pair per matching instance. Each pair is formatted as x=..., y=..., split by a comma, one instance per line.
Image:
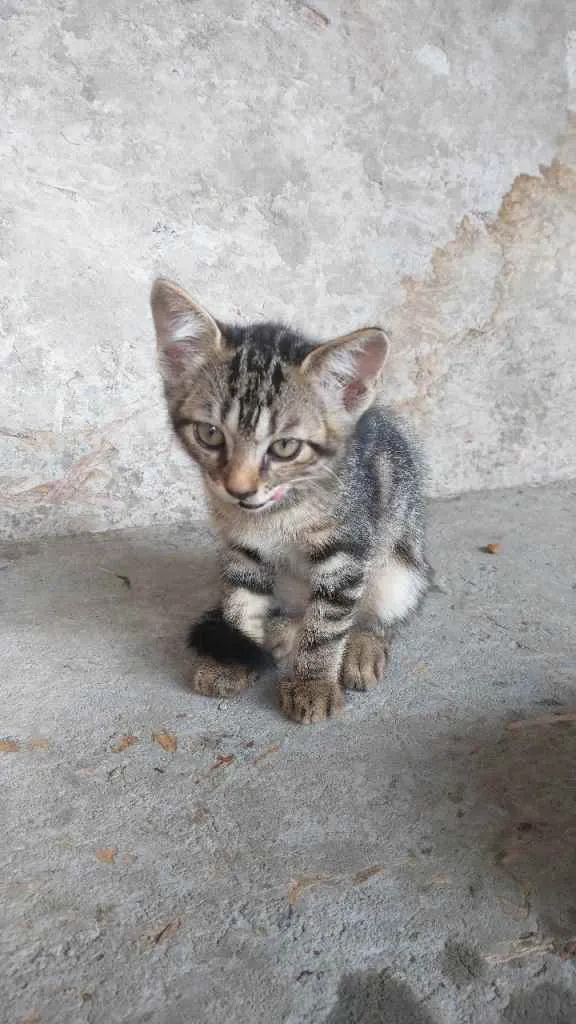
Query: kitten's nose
x=240, y=495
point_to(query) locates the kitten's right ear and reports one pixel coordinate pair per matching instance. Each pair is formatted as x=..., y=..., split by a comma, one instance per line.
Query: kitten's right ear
x=185, y=332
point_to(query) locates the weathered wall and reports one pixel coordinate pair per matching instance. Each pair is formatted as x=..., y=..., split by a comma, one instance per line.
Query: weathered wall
x=331, y=164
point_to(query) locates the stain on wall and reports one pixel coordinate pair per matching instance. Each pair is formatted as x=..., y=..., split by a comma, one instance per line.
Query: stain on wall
x=328, y=165
x=485, y=364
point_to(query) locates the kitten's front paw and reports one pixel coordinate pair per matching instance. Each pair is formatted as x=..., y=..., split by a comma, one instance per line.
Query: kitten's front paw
x=309, y=701
x=281, y=634
x=364, y=661
x=212, y=679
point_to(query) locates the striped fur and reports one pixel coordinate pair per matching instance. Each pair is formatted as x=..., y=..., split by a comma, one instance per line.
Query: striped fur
x=345, y=510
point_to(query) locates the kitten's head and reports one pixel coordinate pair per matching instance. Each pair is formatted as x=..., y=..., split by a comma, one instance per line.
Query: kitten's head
x=261, y=409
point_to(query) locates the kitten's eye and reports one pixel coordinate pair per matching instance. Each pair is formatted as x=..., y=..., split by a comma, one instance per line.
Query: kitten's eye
x=209, y=435
x=285, y=448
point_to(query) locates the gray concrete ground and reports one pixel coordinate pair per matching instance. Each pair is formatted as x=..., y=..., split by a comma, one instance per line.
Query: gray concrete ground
x=411, y=863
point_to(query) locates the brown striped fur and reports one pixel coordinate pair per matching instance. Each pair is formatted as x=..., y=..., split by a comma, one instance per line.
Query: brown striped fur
x=344, y=512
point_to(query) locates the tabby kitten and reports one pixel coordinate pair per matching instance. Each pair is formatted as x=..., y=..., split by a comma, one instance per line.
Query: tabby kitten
x=303, y=472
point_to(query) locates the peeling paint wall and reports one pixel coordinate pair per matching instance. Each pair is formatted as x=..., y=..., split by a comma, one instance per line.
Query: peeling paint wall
x=329, y=164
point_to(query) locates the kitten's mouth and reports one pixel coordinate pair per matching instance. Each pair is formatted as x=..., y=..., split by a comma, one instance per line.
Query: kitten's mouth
x=276, y=495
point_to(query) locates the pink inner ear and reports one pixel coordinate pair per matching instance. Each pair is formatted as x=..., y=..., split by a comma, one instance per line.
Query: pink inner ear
x=353, y=392
x=175, y=354
x=368, y=361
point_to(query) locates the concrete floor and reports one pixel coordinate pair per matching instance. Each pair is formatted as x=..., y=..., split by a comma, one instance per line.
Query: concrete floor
x=411, y=863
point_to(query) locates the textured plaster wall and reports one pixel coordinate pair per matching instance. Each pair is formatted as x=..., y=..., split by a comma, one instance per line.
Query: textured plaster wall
x=331, y=164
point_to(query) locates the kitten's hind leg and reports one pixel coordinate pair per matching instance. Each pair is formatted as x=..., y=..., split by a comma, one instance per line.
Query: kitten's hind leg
x=396, y=587
x=393, y=593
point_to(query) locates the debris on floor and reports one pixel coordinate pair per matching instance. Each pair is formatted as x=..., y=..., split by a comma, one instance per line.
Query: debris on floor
x=168, y=857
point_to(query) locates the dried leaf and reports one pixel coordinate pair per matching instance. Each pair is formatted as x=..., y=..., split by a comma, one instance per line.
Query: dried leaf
x=166, y=739
x=546, y=718
x=440, y=880
x=202, y=815
x=270, y=749
x=9, y=746
x=222, y=760
x=316, y=17
x=491, y=549
x=519, y=912
x=165, y=932
x=106, y=854
x=122, y=743
x=362, y=876
x=526, y=945
x=299, y=885
x=38, y=743
x=567, y=951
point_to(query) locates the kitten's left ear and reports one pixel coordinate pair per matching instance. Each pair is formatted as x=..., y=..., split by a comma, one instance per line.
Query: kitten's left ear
x=350, y=366
x=185, y=332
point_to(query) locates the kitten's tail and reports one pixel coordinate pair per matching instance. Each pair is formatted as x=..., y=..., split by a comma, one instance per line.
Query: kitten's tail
x=216, y=638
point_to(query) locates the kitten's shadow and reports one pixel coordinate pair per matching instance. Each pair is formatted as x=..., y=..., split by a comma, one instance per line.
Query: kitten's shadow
x=134, y=595
x=144, y=596
x=167, y=592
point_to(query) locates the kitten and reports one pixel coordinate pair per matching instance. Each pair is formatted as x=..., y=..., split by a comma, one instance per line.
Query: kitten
x=301, y=470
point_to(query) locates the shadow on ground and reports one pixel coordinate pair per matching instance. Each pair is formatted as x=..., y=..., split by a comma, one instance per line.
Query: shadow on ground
x=374, y=997
x=545, y=1004
x=501, y=800
x=504, y=794
x=117, y=590
x=527, y=773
